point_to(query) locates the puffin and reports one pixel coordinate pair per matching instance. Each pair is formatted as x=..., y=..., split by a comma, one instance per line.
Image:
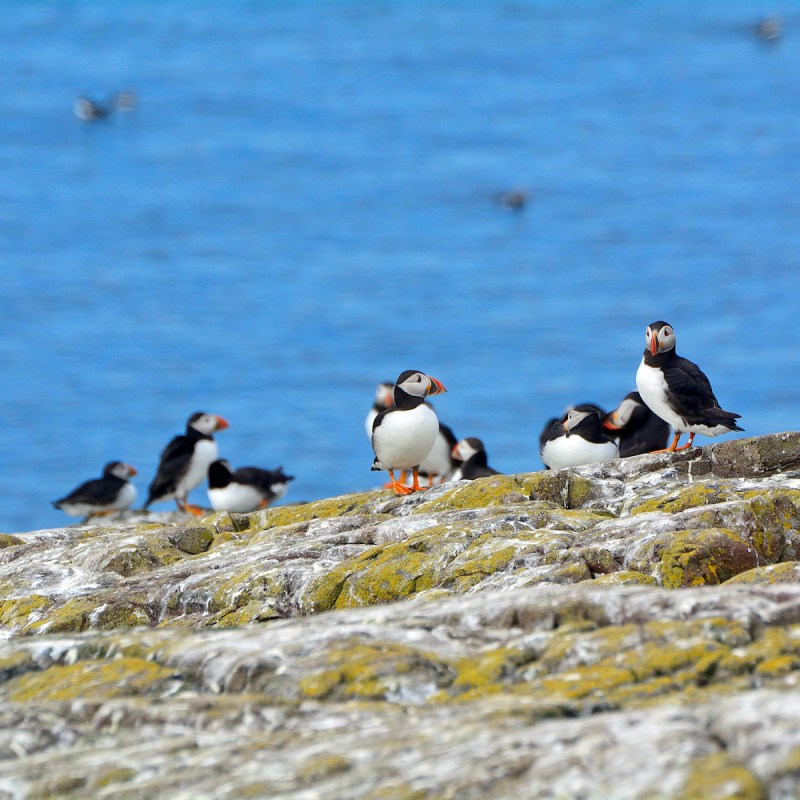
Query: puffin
x=246, y=489
x=554, y=427
x=184, y=462
x=637, y=429
x=581, y=440
x=402, y=436
x=474, y=460
x=100, y=496
x=676, y=390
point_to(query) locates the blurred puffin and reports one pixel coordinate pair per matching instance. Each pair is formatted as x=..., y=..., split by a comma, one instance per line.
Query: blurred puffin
x=678, y=391
x=402, y=436
x=474, y=462
x=185, y=460
x=439, y=464
x=247, y=489
x=581, y=440
x=100, y=496
x=384, y=398
x=636, y=427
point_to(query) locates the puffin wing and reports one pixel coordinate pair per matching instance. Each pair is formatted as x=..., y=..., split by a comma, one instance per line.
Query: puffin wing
x=172, y=465
x=691, y=394
x=261, y=479
x=96, y=492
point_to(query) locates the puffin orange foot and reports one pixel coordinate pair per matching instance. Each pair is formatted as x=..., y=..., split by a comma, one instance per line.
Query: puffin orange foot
x=195, y=511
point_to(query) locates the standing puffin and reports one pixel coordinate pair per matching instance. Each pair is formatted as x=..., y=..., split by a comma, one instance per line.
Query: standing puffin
x=100, y=496
x=247, y=489
x=474, y=460
x=403, y=435
x=636, y=427
x=581, y=440
x=678, y=391
x=185, y=460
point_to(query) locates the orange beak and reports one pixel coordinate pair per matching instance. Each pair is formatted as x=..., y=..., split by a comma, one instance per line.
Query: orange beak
x=436, y=387
x=132, y=470
x=609, y=422
x=653, y=345
x=221, y=423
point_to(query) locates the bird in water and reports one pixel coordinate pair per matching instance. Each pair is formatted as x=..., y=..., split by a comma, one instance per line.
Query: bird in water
x=185, y=460
x=678, y=391
x=403, y=435
x=637, y=429
x=100, y=496
x=246, y=489
x=578, y=440
x=473, y=460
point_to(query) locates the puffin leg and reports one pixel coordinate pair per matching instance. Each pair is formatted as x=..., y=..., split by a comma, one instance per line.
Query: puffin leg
x=192, y=509
x=685, y=446
x=415, y=487
x=180, y=503
x=264, y=503
x=399, y=489
x=674, y=446
x=402, y=479
x=104, y=513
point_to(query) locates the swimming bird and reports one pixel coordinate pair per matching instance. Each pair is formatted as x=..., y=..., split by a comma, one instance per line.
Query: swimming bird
x=88, y=110
x=246, y=489
x=402, y=436
x=637, y=429
x=474, y=460
x=100, y=496
x=185, y=460
x=678, y=391
x=582, y=440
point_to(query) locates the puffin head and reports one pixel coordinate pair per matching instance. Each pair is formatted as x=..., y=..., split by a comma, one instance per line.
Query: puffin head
x=577, y=415
x=464, y=449
x=384, y=395
x=616, y=420
x=659, y=337
x=418, y=384
x=119, y=470
x=206, y=423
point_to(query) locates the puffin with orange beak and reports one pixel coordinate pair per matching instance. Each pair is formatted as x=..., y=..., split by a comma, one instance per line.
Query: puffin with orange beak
x=637, y=429
x=678, y=391
x=403, y=435
x=184, y=462
x=104, y=495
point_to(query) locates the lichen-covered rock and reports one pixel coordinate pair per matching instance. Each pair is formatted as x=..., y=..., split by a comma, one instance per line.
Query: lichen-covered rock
x=627, y=629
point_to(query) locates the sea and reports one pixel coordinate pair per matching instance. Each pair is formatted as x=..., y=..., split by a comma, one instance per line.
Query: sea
x=307, y=198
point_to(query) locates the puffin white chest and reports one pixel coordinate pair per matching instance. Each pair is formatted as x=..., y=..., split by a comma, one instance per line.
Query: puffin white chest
x=205, y=451
x=126, y=496
x=405, y=437
x=237, y=497
x=653, y=388
x=574, y=451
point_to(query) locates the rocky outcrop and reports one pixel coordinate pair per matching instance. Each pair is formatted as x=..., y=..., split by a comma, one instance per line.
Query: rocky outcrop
x=627, y=629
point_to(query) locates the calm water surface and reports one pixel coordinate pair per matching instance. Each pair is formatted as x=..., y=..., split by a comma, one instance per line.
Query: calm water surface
x=303, y=204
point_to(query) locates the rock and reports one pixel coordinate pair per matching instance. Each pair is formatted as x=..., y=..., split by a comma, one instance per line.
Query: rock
x=627, y=629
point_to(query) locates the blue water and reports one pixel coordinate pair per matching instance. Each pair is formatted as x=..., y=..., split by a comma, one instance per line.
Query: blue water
x=303, y=203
